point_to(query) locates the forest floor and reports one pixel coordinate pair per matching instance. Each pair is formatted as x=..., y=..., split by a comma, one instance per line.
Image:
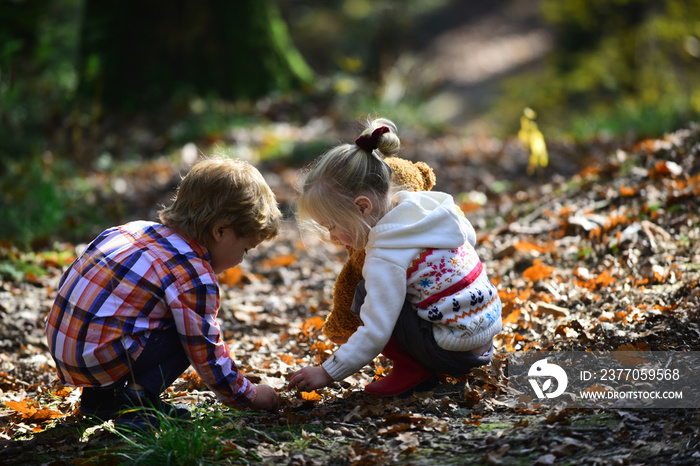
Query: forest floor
x=599, y=251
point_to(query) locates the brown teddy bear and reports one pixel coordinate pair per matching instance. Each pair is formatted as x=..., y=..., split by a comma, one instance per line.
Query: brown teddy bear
x=341, y=322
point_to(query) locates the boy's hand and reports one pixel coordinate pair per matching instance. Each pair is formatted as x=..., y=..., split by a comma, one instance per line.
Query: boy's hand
x=266, y=400
x=310, y=378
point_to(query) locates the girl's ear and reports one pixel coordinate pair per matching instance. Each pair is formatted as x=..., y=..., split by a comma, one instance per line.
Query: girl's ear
x=364, y=205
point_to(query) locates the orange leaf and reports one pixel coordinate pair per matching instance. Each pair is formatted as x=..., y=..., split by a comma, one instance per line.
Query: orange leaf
x=230, y=447
x=597, y=388
x=280, y=261
x=627, y=192
x=605, y=278
x=664, y=169
x=639, y=346
x=512, y=318
x=287, y=359
x=21, y=407
x=589, y=171
x=30, y=413
x=538, y=271
x=322, y=346
x=394, y=428
x=468, y=207
x=63, y=392
x=528, y=246
x=507, y=295
x=231, y=277
x=314, y=323
x=632, y=355
x=311, y=396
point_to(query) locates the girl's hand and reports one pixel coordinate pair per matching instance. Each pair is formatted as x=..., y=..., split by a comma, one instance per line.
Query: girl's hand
x=310, y=378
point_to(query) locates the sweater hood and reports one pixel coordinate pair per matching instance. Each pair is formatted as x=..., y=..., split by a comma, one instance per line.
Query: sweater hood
x=425, y=219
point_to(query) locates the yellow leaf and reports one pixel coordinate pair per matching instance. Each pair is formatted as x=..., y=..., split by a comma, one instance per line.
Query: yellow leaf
x=531, y=136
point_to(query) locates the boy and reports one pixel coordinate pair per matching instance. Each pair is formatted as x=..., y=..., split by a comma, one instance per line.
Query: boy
x=139, y=305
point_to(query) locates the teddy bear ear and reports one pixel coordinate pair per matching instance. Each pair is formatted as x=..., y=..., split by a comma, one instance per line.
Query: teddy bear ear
x=427, y=174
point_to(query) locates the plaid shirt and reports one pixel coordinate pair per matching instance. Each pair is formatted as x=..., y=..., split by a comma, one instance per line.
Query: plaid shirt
x=129, y=281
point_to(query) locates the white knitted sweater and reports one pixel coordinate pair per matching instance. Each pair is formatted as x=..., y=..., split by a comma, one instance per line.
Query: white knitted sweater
x=422, y=249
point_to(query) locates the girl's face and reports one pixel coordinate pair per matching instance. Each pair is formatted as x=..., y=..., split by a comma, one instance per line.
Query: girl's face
x=351, y=232
x=339, y=234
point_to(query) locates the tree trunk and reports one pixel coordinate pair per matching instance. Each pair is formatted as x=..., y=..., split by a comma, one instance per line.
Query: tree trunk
x=139, y=53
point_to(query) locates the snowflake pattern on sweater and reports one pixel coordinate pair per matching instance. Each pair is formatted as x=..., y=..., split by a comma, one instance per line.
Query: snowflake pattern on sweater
x=450, y=289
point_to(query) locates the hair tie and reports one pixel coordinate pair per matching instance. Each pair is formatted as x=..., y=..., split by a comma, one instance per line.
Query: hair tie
x=369, y=142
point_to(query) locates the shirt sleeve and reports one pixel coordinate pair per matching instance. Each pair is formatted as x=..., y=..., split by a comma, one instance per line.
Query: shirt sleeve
x=385, y=283
x=195, y=313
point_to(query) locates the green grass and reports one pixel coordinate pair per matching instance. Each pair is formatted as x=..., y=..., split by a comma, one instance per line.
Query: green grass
x=211, y=436
x=207, y=438
x=44, y=200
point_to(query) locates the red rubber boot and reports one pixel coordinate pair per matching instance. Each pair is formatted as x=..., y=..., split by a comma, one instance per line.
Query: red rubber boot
x=406, y=373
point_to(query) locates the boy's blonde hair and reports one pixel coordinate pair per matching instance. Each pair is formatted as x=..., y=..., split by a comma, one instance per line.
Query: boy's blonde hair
x=223, y=191
x=342, y=174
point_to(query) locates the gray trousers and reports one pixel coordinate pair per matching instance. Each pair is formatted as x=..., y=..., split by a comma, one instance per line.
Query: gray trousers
x=415, y=336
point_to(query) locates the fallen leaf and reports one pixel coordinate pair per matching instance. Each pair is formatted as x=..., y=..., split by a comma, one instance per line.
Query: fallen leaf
x=512, y=318
x=627, y=191
x=30, y=413
x=280, y=261
x=547, y=309
x=545, y=459
x=311, y=396
x=538, y=271
x=528, y=246
x=231, y=277
x=408, y=440
x=287, y=359
x=314, y=323
x=632, y=355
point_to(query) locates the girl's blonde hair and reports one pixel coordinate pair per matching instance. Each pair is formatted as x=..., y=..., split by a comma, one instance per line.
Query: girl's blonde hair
x=342, y=174
x=222, y=191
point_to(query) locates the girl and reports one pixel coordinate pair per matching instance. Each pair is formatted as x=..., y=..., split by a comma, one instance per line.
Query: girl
x=425, y=301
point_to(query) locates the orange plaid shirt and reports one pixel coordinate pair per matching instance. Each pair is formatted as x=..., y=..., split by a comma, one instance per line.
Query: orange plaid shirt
x=130, y=280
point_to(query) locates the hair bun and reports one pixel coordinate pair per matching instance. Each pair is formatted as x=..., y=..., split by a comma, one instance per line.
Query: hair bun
x=370, y=142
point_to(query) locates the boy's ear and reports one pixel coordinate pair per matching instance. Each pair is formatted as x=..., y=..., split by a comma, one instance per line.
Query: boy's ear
x=364, y=205
x=218, y=232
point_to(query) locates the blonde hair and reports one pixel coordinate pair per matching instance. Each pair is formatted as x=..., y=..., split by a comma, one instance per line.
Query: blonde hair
x=342, y=174
x=223, y=191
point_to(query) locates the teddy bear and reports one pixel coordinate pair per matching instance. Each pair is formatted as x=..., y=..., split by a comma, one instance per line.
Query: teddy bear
x=341, y=322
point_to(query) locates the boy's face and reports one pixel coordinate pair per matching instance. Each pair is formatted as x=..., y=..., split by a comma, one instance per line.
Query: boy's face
x=227, y=250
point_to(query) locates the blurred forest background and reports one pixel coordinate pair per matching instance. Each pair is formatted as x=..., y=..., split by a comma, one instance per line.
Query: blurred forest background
x=94, y=90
